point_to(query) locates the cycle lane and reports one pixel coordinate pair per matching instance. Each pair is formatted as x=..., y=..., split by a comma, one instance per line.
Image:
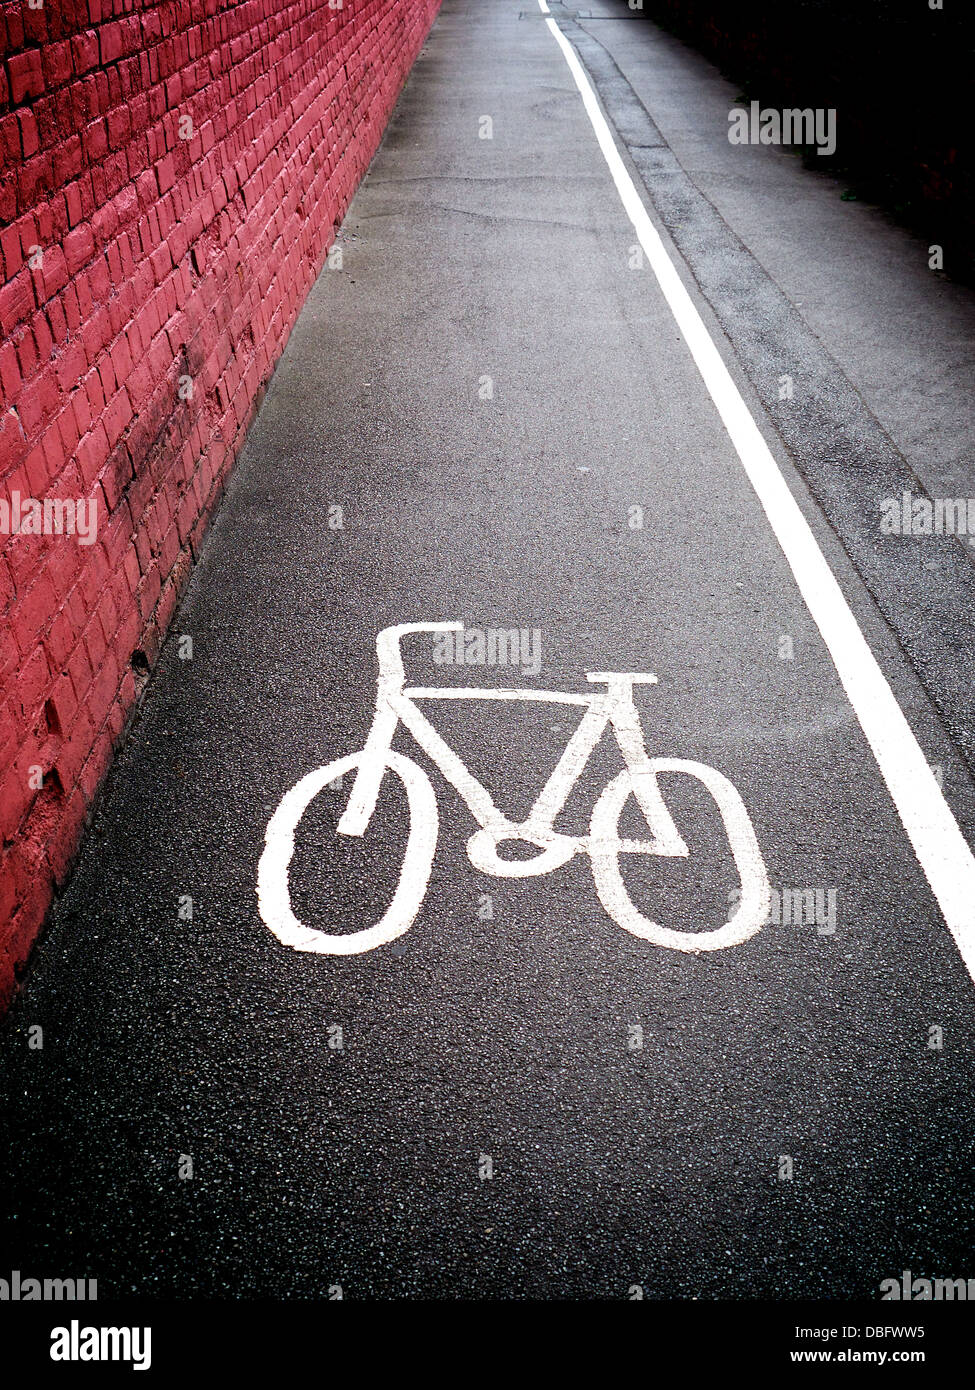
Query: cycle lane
x=525, y=1099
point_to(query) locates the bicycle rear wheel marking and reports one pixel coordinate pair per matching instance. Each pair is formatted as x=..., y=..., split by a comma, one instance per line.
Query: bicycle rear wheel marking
x=274, y=898
x=755, y=894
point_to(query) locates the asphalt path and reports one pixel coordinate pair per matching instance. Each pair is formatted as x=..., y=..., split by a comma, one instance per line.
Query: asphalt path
x=517, y=1097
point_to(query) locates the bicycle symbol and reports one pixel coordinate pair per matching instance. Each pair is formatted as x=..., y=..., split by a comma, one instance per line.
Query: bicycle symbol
x=613, y=706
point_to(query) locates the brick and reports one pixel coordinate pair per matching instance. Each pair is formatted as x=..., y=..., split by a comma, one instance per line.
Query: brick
x=72, y=366
x=161, y=257
x=93, y=450
x=17, y=302
x=56, y=63
x=95, y=141
x=10, y=377
x=109, y=43
x=26, y=76
x=79, y=248
x=84, y=48
x=52, y=275
x=29, y=139
x=32, y=682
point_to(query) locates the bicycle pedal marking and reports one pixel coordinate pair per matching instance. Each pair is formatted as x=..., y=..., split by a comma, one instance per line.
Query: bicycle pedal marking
x=612, y=708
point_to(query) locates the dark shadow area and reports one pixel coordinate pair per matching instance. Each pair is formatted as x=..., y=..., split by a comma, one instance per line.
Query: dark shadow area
x=898, y=75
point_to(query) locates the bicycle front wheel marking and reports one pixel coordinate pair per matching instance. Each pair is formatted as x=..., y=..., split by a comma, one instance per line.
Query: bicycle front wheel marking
x=753, y=909
x=273, y=895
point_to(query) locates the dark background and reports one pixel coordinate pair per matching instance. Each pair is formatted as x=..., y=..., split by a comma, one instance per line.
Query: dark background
x=899, y=74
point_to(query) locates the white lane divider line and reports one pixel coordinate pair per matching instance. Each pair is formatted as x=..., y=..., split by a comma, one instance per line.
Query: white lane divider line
x=941, y=849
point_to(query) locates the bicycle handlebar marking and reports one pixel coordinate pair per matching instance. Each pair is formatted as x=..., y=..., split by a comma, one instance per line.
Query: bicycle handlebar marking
x=613, y=707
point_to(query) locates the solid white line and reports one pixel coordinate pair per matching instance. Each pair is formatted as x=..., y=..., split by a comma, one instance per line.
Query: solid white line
x=940, y=847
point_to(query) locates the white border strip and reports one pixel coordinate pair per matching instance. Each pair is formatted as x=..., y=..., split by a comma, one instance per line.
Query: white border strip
x=941, y=849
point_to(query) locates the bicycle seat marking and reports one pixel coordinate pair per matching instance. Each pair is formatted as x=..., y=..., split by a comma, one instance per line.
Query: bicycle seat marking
x=610, y=707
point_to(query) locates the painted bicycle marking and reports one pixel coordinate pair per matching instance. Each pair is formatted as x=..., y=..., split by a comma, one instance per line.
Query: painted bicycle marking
x=612, y=708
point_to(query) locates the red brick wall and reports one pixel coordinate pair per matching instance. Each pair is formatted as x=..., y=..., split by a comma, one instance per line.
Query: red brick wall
x=172, y=175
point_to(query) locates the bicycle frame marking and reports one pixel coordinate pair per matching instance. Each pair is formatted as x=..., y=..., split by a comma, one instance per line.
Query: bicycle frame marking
x=613, y=707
